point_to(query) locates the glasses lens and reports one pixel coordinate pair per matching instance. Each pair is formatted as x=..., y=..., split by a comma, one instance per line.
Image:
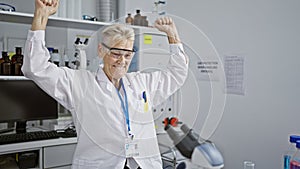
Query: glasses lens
x=117, y=54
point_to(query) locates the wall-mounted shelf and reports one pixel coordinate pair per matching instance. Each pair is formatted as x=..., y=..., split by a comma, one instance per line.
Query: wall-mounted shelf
x=25, y=18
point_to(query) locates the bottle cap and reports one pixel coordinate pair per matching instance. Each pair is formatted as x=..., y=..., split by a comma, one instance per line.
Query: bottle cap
x=294, y=138
x=298, y=144
x=18, y=48
x=4, y=53
x=50, y=49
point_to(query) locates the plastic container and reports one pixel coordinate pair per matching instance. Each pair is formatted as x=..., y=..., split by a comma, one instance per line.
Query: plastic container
x=295, y=160
x=290, y=151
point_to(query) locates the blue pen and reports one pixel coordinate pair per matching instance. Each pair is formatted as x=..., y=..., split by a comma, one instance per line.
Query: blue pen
x=144, y=96
x=146, y=103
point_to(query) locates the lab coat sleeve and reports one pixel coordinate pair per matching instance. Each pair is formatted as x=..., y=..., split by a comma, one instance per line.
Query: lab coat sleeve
x=164, y=83
x=56, y=81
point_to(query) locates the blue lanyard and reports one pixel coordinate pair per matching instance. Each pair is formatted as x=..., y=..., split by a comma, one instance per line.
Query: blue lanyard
x=124, y=106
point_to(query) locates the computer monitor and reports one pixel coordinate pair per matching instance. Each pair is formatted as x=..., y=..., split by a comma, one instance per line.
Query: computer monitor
x=23, y=100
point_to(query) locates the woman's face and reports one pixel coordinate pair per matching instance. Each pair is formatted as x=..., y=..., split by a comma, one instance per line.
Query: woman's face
x=116, y=62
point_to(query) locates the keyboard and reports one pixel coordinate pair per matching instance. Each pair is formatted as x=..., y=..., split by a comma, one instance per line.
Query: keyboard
x=33, y=136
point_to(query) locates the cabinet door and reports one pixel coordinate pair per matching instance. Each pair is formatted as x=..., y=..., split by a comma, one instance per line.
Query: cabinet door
x=57, y=156
x=64, y=167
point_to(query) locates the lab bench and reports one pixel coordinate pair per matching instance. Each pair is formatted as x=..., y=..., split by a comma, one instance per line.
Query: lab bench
x=50, y=154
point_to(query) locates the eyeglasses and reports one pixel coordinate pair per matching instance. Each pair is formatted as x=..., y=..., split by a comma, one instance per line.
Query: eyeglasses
x=117, y=53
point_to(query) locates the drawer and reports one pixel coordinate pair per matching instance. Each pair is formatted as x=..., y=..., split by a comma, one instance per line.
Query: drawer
x=56, y=156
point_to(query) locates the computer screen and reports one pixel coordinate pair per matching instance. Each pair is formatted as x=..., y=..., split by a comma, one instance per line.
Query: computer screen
x=23, y=100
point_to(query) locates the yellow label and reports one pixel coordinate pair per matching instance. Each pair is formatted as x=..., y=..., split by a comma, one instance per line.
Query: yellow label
x=148, y=39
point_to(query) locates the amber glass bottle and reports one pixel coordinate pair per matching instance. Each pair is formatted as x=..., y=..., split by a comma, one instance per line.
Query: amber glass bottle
x=16, y=62
x=129, y=19
x=6, y=65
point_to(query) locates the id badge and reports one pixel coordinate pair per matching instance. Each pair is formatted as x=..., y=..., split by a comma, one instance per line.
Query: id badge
x=131, y=148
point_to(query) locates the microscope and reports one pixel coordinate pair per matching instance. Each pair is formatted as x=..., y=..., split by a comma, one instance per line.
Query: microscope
x=80, y=61
x=202, y=154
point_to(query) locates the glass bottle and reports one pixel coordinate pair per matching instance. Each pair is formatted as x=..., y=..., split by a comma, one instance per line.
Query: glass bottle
x=129, y=19
x=295, y=160
x=65, y=59
x=144, y=21
x=6, y=65
x=17, y=67
x=55, y=58
x=50, y=52
x=16, y=62
x=137, y=18
x=290, y=151
x=16, y=55
x=2, y=60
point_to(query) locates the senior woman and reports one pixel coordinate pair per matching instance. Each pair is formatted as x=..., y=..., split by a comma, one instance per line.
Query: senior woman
x=111, y=108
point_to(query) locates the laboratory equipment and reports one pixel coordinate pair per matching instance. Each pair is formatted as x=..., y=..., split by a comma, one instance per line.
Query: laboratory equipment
x=22, y=100
x=202, y=154
x=55, y=57
x=291, y=150
x=65, y=59
x=7, y=7
x=80, y=54
x=295, y=160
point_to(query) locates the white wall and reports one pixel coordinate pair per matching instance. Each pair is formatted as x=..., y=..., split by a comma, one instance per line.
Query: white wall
x=255, y=126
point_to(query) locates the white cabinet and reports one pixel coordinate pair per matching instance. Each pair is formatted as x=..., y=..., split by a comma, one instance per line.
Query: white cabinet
x=51, y=154
x=56, y=156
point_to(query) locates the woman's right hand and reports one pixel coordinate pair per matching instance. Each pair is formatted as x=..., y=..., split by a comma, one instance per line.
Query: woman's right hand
x=43, y=9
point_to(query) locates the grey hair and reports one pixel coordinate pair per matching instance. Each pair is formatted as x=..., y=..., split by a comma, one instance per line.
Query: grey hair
x=116, y=33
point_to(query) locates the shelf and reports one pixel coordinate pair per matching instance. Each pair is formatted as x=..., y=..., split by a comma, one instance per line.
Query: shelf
x=13, y=78
x=25, y=18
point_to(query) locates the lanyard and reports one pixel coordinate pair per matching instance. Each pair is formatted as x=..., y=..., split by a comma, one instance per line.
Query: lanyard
x=125, y=106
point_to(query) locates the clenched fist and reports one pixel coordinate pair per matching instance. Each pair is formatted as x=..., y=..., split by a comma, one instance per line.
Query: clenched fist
x=167, y=25
x=49, y=7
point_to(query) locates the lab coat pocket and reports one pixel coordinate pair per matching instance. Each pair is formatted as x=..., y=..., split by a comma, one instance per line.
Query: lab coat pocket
x=138, y=106
x=141, y=112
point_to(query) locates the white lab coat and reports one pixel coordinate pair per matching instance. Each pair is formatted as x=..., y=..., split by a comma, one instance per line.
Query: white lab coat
x=96, y=107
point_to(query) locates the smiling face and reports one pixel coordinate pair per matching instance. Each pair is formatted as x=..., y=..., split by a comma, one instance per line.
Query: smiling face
x=116, y=62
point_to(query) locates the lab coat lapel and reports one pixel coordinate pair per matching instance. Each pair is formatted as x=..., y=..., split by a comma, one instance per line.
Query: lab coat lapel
x=128, y=86
x=103, y=80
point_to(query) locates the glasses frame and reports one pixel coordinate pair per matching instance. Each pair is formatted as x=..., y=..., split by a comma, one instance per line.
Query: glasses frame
x=120, y=49
x=132, y=50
